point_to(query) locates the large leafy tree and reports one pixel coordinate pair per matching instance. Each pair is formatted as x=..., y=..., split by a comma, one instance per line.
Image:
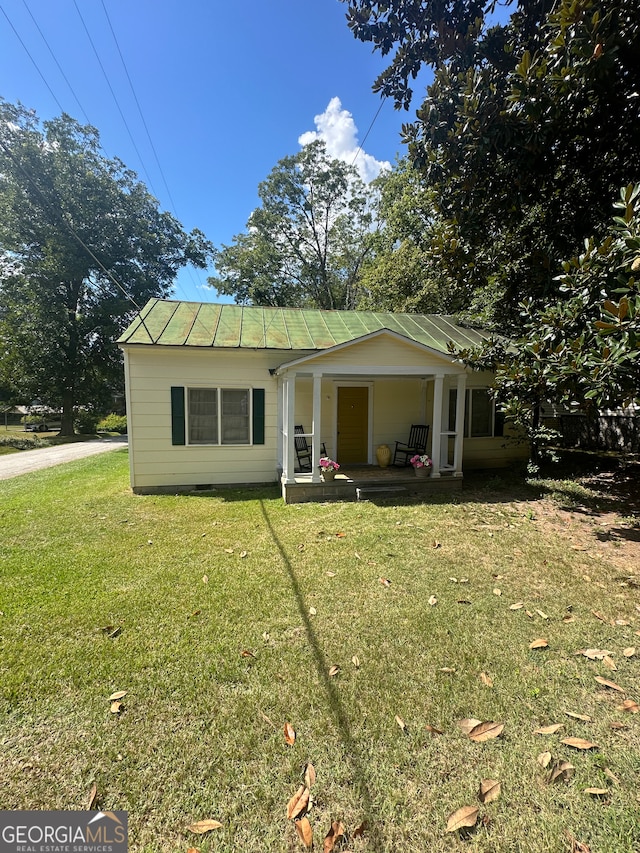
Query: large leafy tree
x=83, y=244
x=306, y=242
x=527, y=131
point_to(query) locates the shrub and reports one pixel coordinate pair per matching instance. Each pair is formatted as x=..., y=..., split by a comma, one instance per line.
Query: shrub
x=86, y=423
x=113, y=423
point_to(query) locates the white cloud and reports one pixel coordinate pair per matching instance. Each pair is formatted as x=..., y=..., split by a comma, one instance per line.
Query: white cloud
x=337, y=129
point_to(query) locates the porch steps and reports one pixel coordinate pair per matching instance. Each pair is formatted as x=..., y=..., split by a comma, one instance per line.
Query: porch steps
x=363, y=492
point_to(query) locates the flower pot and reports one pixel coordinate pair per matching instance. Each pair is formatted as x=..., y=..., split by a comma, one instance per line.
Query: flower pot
x=383, y=455
x=424, y=471
x=328, y=474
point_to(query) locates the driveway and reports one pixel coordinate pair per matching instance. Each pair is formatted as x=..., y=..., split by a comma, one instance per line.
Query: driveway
x=26, y=461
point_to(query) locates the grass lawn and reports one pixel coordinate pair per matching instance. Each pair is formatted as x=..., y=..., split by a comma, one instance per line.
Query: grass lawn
x=224, y=615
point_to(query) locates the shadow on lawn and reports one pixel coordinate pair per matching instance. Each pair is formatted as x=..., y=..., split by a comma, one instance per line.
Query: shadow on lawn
x=340, y=717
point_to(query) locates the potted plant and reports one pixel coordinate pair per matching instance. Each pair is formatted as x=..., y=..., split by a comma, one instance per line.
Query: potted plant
x=422, y=465
x=328, y=468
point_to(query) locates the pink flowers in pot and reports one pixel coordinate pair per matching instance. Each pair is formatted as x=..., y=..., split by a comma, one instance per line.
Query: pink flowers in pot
x=421, y=461
x=327, y=464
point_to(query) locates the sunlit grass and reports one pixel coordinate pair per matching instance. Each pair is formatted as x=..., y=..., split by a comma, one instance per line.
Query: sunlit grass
x=187, y=584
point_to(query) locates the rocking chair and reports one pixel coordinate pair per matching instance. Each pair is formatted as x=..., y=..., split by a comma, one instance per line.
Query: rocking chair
x=303, y=451
x=416, y=445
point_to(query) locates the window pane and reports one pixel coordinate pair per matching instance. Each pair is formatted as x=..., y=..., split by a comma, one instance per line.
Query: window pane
x=235, y=416
x=481, y=412
x=203, y=416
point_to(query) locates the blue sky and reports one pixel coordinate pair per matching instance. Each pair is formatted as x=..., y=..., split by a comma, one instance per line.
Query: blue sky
x=226, y=89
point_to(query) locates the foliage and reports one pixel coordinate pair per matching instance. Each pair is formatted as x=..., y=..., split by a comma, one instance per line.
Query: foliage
x=86, y=422
x=305, y=244
x=113, y=423
x=583, y=350
x=82, y=245
x=529, y=128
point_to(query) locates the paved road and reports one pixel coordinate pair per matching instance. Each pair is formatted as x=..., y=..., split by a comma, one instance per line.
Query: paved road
x=26, y=461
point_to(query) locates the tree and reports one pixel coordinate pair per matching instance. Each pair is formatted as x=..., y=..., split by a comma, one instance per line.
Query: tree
x=82, y=246
x=306, y=243
x=527, y=131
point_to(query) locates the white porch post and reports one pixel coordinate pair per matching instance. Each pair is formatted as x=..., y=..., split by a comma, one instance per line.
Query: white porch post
x=459, y=441
x=438, y=388
x=280, y=424
x=288, y=474
x=315, y=427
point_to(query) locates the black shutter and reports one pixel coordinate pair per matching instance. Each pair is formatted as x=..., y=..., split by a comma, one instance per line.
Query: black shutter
x=178, y=421
x=258, y=415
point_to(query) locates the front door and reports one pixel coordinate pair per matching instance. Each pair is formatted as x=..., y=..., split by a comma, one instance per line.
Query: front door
x=353, y=425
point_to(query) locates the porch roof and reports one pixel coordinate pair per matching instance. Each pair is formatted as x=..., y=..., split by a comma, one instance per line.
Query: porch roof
x=164, y=322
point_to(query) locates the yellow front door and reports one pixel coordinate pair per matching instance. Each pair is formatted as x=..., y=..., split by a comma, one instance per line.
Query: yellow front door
x=353, y=425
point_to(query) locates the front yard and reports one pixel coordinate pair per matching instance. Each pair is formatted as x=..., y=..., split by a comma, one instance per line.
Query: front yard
x=374, y=631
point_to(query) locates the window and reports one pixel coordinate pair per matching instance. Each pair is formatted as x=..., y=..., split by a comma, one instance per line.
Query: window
x=481, y=420
x=219, y=416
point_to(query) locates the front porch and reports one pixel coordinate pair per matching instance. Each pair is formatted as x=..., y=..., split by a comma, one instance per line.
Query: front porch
x=367, y=482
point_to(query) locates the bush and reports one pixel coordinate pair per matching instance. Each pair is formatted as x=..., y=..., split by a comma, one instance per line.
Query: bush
x=86, y=423
x=23, y=443
x=113, y=423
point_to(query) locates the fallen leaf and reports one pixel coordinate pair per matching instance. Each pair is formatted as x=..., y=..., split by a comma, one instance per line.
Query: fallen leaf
x=91, y=798
x=540, y=643
x=194, y=849
x=594, y=654
x=436, y=544
x=517, y=606
x=568, y=618
x=579, y=743
x=303, y=828
x=529, y=614
x=446, y=669
x=629, y=652
x=585, y=717
x=609, y=663
x=247, y=654
x=600, y=617
x=562, y=772
x=433, y=600
x=596, y=792
x=463, y=601
x=334, y=670
x=309, y=775
x=336, y=832
x=289, y=734
x=401, y=723
x=486, y=680
x=486, y=731
x=433, y=730
x=360, y=830
x=577, y=846
x=489, y=790
x=544, y=759
x=115, y=633
x=541, y=614
x=202, y=826
x=462, y=818
x=610, y=775
x=497, y=591
x=616, y=725
x=312, y=611
x=340, y=535
x=228, y=550
x=205, y=579
x=469, y=724
x=195, y=613
x=119, y=694
x=357, y=556
x=629, y=705
x=622, y=622
x=331, y=574
x=385, y=581
x=243, y=554
x=549, y=730
x=267, y=719
x=355, y=660
x=298, y=804
x=116, y=707
x=606, y=683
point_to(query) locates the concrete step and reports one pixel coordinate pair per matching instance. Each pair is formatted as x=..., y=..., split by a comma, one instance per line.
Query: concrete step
x=363, y=492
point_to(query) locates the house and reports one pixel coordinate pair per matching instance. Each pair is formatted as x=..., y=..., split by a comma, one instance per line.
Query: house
x=214, y=393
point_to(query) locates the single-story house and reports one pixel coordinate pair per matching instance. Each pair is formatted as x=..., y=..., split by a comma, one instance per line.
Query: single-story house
x=214, y=393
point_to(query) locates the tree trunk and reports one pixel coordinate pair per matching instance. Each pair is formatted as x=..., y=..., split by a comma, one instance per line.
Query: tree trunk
x=66, y=427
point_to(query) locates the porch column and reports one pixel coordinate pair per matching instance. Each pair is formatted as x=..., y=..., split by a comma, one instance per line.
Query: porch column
x=459, y=440
x=289, y=431
x=316, y=420
x=438, y=388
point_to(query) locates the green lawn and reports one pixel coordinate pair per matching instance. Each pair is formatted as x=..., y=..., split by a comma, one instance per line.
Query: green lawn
x=166, y=596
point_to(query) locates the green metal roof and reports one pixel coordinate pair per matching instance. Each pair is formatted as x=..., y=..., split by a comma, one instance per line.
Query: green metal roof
x=202, y=324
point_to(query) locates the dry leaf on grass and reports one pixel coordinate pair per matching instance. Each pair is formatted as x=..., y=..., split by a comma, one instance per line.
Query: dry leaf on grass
x=202, y=826
x=486, y=731
x=334, y=670
x=312, y=611
x=467, y=725
x=309, y=775
x=303, y=828
x=544, y=759
x=119, y=694
x=299, y=803
x=92, y=796
x=401, y=723
x=489, y=790
x=355, y=660
x=433, y=730
x=331, y=574
x=616, y=725
x=497, y=591
x=629, y=652
x=596, y=792
x=577, y=846
x=549, y=730
x=432, y=600
x=360, y=830
x=600, y=617
x=462, y=818
x=335, y=833
x=486, y=680
x=579, y=743
x=594, y=654
x=609, y=663
x=245, y=653
x=612, y=685
x=517, y=606
x=289, y=734
x=610, y=775
x=205, y=579
x=116, y=707
x=541, y=614
x=629, y=705
x=584, y=717
x=384, y=581
x=540, y=643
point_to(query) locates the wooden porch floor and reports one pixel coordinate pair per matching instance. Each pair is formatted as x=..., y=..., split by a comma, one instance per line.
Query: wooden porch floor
x=367, y=482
